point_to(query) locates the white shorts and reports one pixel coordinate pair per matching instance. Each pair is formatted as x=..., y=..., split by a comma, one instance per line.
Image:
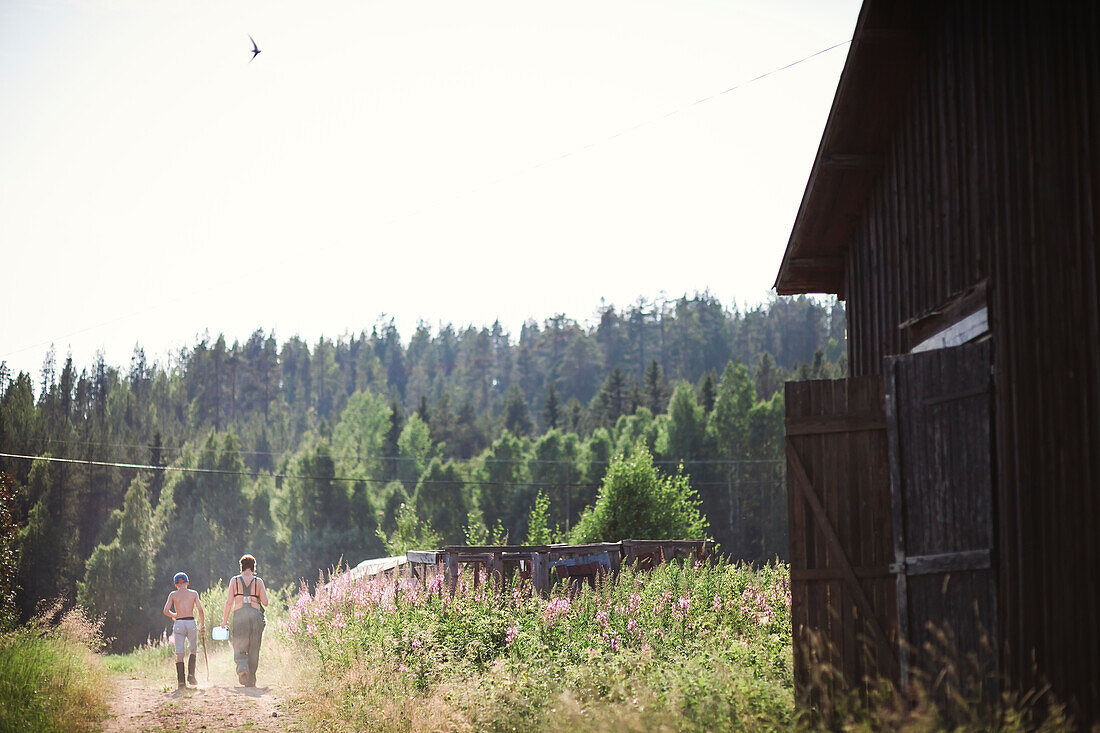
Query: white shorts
x=186, y=631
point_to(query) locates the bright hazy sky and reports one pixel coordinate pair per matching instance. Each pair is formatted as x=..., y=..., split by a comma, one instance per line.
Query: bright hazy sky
x=438, y=160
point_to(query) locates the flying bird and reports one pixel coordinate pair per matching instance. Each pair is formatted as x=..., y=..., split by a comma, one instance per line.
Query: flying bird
x=255, y=50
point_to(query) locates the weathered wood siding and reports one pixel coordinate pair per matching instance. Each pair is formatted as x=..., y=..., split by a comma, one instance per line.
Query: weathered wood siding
x=994, y=173
x=843, y=608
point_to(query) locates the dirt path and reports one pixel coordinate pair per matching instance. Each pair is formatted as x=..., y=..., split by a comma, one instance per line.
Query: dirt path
x=150, y=701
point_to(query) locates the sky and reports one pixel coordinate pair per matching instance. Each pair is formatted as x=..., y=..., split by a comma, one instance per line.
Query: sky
x=440, y=161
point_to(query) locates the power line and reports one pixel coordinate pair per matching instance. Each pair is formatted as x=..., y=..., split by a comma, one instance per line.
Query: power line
x=441, y=201
x=525, y=461
x=226, y=472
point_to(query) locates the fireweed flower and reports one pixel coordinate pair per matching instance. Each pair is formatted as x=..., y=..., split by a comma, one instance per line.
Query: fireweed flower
x=682, y=608
x=510, y=636
x=556, y=609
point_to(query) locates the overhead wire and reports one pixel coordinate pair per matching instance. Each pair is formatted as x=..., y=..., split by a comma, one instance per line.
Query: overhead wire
x=439, y=202
x=347, y=479
x=526, y=461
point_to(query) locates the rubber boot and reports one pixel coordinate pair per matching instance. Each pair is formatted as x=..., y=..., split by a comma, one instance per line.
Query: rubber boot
x=191, y=680
x=179, y=675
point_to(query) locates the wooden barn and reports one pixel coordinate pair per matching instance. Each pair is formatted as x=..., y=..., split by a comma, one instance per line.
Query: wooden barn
x=953, y=482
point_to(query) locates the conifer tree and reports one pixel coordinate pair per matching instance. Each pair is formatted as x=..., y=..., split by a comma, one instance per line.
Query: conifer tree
x=654, y=381
x=517, y=418
x=551, y=411
x=125, y=563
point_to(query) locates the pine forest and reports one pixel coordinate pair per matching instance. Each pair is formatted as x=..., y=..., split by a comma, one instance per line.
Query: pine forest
x=313, y=455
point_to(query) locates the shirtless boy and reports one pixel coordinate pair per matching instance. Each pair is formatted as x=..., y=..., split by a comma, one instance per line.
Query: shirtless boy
x=184, y=630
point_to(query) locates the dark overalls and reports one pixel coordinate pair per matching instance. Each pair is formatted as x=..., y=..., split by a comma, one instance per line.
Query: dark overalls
x=248, y=631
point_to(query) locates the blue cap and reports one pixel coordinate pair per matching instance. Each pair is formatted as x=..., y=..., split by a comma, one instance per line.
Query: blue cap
x=179, y=577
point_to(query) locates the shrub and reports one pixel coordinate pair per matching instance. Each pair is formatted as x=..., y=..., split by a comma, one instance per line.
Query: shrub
x=635, y=501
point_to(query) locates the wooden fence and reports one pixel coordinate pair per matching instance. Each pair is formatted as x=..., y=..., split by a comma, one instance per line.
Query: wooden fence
x=542, y=564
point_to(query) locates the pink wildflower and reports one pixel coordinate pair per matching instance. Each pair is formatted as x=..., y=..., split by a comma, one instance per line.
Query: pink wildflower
x=556, y=609
x=510, y=636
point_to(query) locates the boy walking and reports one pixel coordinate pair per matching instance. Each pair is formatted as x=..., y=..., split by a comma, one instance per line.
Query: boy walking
x=184, y=631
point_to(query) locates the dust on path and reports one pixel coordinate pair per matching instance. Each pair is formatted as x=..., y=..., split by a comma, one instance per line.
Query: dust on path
x=152, y=702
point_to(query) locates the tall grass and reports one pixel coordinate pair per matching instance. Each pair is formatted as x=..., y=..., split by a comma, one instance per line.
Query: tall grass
x=685, y=647
x=51, y=678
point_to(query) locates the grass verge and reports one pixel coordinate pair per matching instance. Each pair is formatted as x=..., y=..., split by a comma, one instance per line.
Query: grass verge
x=51, y=678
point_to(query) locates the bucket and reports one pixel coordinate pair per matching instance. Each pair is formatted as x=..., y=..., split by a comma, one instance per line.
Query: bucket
x=220, y=633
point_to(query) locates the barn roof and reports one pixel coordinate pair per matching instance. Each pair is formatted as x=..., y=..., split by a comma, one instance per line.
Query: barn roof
x=886, y=48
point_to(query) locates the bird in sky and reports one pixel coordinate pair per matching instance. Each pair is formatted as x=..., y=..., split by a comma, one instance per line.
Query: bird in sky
x=255, y=50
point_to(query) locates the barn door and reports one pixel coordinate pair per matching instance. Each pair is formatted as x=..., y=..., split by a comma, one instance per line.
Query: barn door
x=938, y=410
x=838, y=499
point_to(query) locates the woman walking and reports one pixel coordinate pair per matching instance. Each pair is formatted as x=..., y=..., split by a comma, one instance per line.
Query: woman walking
x=246, y=599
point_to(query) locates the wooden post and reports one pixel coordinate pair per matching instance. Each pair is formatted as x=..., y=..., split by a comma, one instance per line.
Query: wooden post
x=452, y=573
x=540, y=572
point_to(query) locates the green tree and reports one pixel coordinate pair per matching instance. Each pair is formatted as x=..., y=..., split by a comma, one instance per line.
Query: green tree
x=707, y=392
x=414, y=448
x=655, y=387
x=769, y=377
x=554, y=469
x=441, y=500
x=118, y=577
x=501, y=473
x=686, y=424
x=551, y=411
x=410, y=533
x=46, y=541
x=538, y=521
x=517, y=418
x=766, y=535
x=636, y=502
x=728, y=423
x=728, y=431
x=359, y=438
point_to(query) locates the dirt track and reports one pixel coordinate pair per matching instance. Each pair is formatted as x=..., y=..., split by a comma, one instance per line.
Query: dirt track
x=155, y=704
